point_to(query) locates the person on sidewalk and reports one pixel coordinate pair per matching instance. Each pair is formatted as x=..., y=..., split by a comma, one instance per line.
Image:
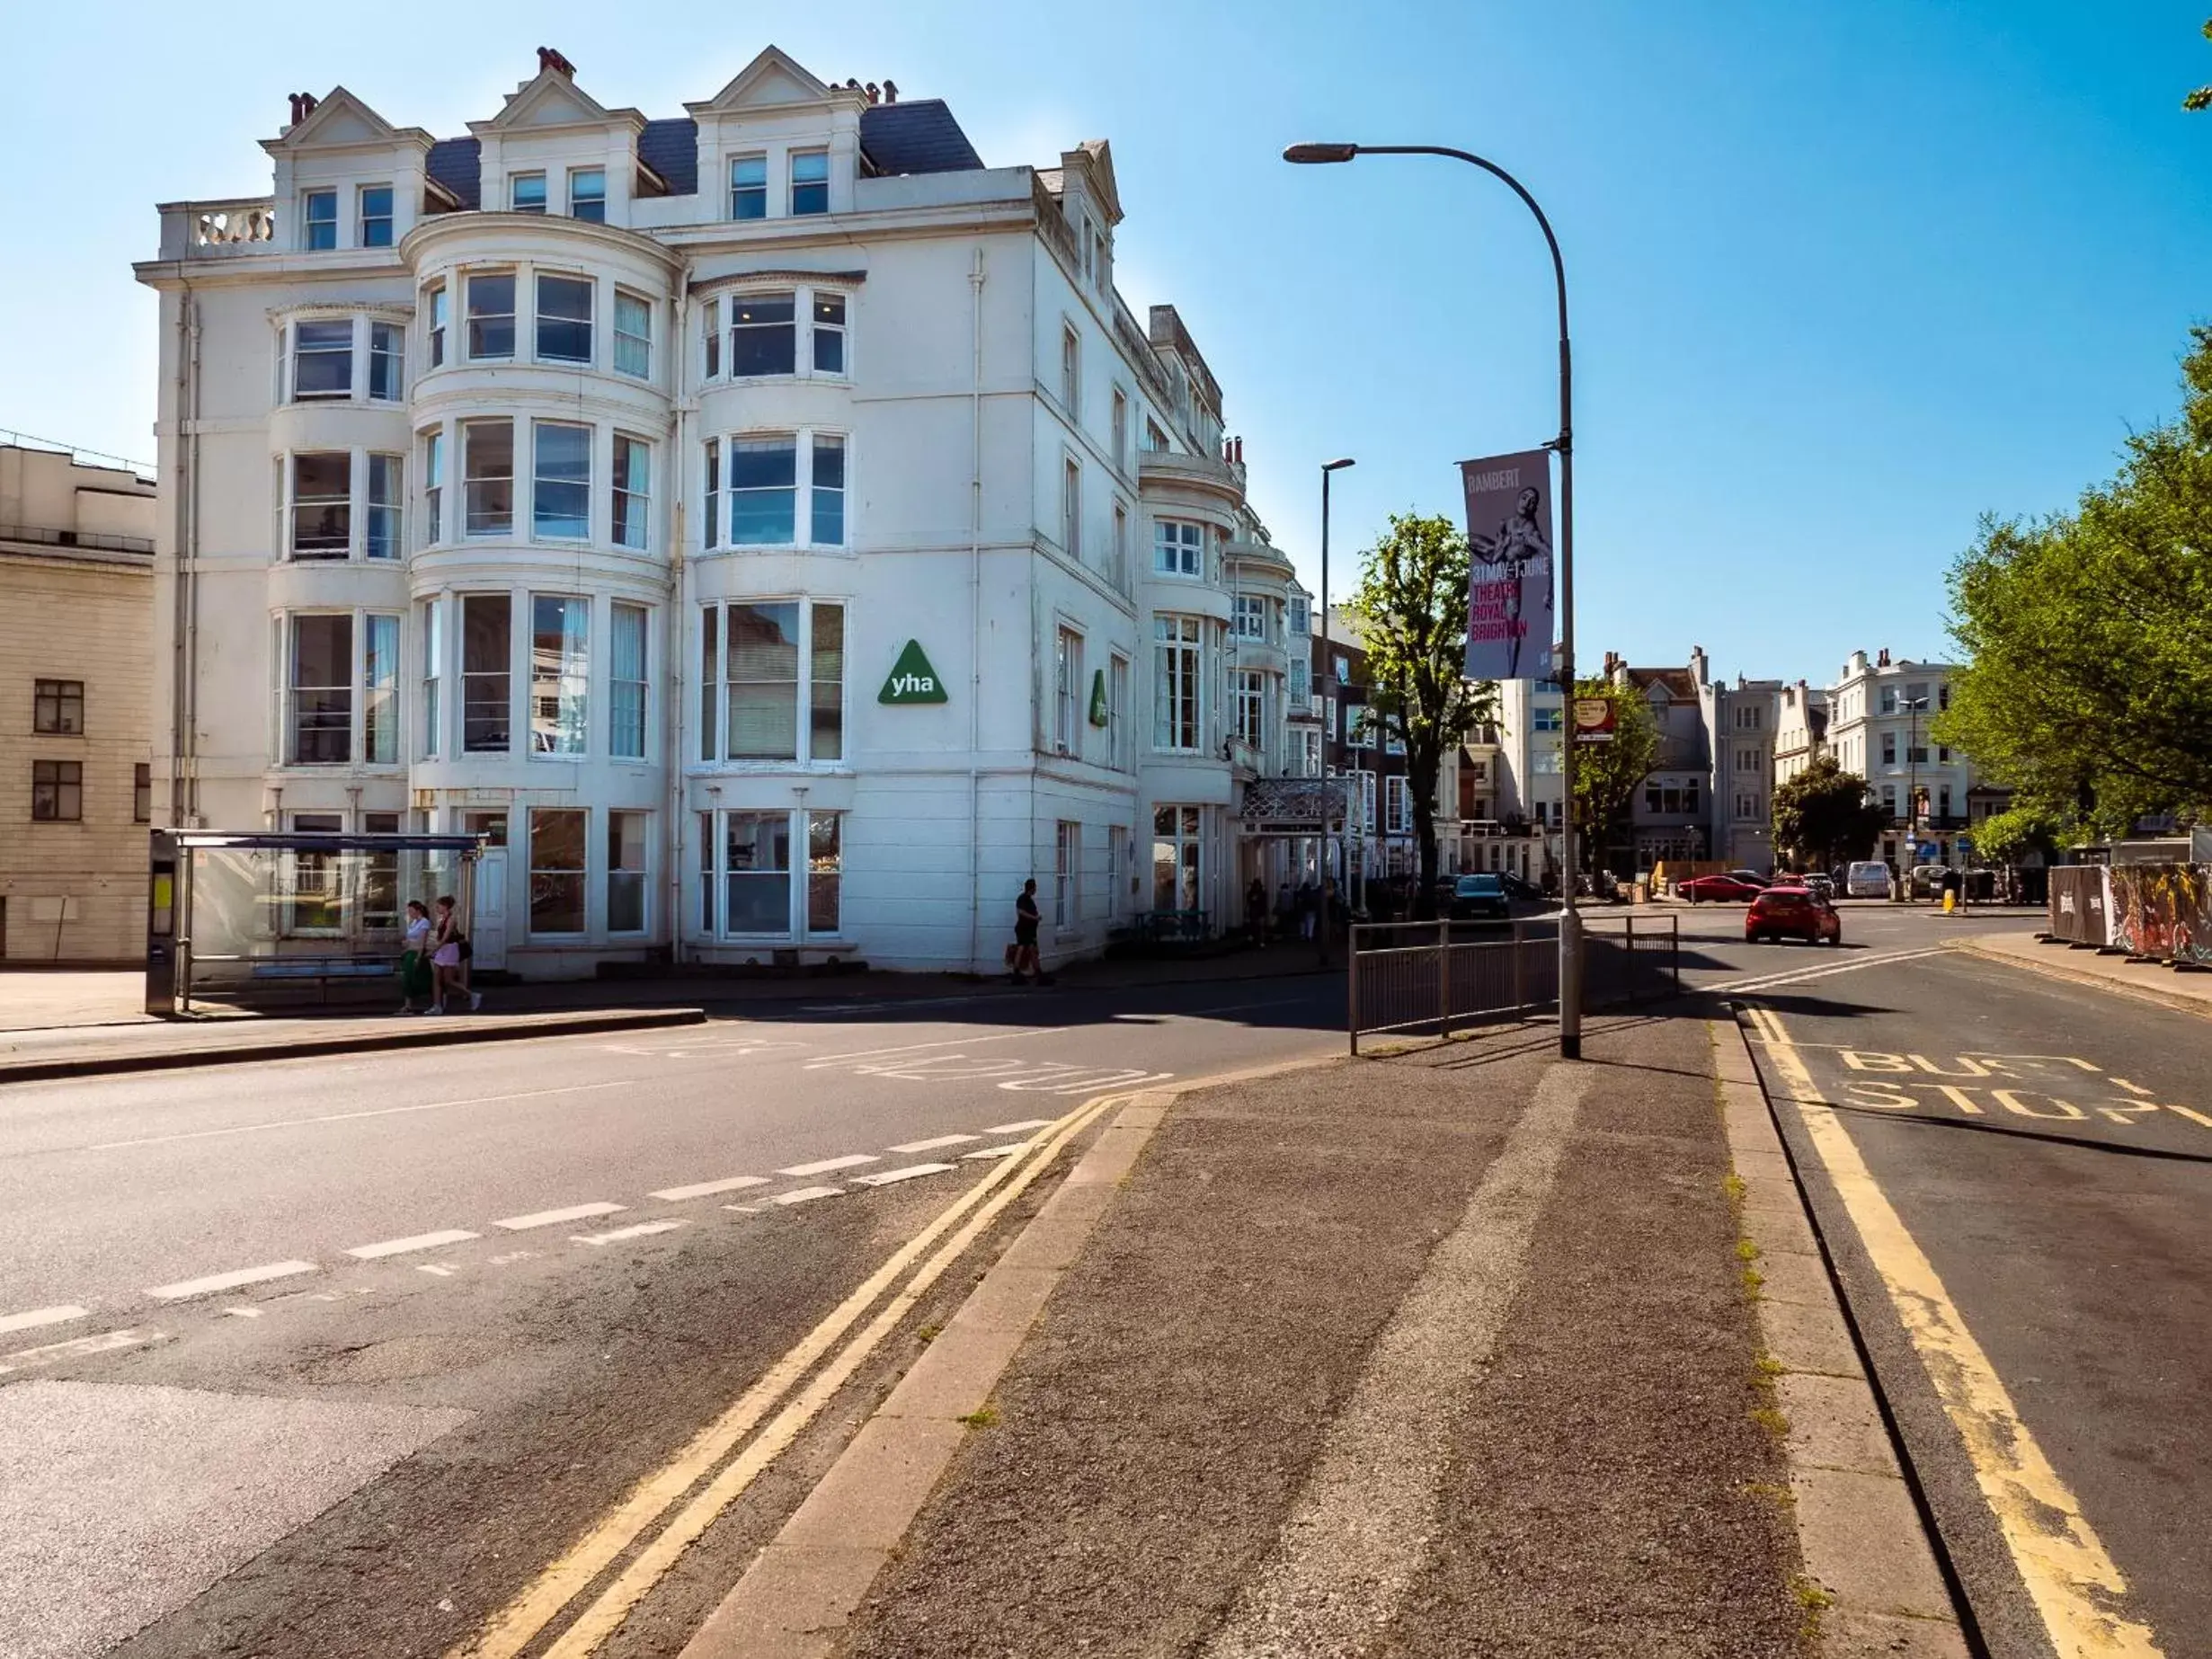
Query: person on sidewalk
x=1285, y=911
x=414, y=961
x=1027, y=964
x=450, y=959
x=1308, y=911
x=1256, y=910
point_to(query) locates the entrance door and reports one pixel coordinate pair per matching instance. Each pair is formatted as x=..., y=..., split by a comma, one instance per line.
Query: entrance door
x=487, y=929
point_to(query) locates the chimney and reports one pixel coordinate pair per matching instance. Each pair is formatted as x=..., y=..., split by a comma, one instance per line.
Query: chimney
x=890, y=92
x=874, y=92
x=1882, y=661
x=547, y=59
x=296, y=116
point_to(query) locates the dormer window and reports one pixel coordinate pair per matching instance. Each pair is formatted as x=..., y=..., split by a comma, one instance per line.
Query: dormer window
x=319, y=215
x=375, y=215
x=587, y=194
x=748, y=187
x=810, y=182
x=526, y=192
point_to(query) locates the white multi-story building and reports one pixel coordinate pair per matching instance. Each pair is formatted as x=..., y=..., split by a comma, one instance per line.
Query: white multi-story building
x=1741, y=722
x=1877, y=727
x=1800, y=729
x=768, y=527
x=1530, y=764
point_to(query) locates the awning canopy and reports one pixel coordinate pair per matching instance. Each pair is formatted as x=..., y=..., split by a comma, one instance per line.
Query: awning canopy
x=1295, y=805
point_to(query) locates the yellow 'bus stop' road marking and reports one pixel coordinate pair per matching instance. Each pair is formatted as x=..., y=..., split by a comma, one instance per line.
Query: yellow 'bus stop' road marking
x=2073, y=1581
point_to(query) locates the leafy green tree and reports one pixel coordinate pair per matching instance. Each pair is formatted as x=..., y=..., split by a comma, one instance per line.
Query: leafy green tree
x=2088, y=636
x=1411, y=605
x=2202, y=99
x=1822, y=815
x=1607, y=775
x=2005, y=838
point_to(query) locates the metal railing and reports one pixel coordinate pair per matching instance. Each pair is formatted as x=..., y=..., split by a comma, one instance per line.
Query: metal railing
x=1428, y=977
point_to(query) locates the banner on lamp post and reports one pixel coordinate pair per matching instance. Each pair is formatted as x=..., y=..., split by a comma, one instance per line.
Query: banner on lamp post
x=1509, y=565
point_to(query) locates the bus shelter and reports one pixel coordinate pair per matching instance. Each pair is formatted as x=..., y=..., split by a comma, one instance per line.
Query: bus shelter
x=263, y=916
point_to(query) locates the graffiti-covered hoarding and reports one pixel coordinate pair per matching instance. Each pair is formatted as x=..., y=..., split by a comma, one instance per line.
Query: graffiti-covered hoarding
x=2161, y=910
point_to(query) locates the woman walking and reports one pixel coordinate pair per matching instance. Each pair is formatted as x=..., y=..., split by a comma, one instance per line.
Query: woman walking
x=414, y=960
x=450, y=959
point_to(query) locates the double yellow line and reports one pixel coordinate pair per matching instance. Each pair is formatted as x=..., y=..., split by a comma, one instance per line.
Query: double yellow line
x=2073, y=1582
x=525, y=1619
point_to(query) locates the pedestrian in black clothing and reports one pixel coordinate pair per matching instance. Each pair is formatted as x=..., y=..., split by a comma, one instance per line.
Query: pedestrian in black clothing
x=1027, y=917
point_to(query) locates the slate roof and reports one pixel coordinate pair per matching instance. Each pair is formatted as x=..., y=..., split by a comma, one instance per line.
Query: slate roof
x=918, y=136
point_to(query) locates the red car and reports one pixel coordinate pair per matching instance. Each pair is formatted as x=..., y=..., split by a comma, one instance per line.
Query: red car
x=1726, y=889
x=1792, y=913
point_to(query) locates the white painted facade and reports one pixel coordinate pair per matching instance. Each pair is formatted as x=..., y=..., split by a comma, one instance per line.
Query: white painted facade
x=603, y=530
x=1877, y=727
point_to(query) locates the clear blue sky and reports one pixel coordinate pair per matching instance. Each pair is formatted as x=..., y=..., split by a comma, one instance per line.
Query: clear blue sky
x=1844, y=276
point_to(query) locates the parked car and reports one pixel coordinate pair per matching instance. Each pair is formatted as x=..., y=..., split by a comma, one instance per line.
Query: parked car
x=1867, y=878
x=1721, y=889
x=1792, y=913
x=1521, y=887
x=1819, y=885
x=1480, y=896
x=1752, y=876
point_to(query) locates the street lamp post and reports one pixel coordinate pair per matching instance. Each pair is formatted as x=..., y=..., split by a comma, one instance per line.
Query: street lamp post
x=1329, y=663
x=1570, y=918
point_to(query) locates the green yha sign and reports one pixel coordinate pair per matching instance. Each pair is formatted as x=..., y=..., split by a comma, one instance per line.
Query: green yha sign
x=912, y=679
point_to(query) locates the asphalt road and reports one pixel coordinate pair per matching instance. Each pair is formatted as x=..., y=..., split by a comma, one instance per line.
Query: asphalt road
x=2044, y=1150
x=232, y=1298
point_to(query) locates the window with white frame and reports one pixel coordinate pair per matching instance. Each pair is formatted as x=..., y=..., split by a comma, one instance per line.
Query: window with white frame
x=433, y=676
x=434, y=488
x=492, y=317
x=770, y=475
x=632, y=499
x=1118, y=712
x=435, y=302
x=587, y=194
x=387, y=362
x=374, y=205
x=560, y=673
x=1117, y=861
x=560, y=480
x=763, y=334
x=387, y=496
x=828, y=328
x=710, y=338
x=1250, y=686
x=1067, y=874
x=487, y=673
x=1179, y=857
x=1393, y=734
x=626, y=841
x=1119, y=437
x=1250, y=612
x=776, y=669
x=1178, y=548
x=1889, y=700
x=627, y=685
x=1067, y=692
x=1119, y=573
x=1359, y=725
x=559, y=835
x=746, y=862
x=1178, y=682
x=810, y=183
x=633, y=335
x=748, y=187
x=488, y=477
x=1313, y=754
x=1395, y=815
x=563, y=319
x=1301, y=683
x=1071, y=375
x=1072, y=507
x=1548, y=718
x=710, y=526
x=1747, y=760
x=319, y=510
x=825, y=871
x=1889, y=748
x=322, y=359
x=526, y=192
x=340, y=679
x=757, y=878
x=1301, y=615
x=319, y=218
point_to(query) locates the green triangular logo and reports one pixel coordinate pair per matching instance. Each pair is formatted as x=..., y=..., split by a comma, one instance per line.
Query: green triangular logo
x=912, y=679
x=1097, y=697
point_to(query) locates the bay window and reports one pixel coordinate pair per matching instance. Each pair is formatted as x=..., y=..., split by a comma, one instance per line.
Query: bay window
x=749, y=886
x=319, y=698
x=1176, y=702
x=826, y=480
x=488, y=483
x=763, y=334
x=435, y=302
x=1251, y=702
x=710, y=337
x=563, y=319
x=828, y=331
x=560, y=673
x=434, y=488
x=1251, y=616
x=710, y=526
x=757, y=873
x=387, y=362
x=561, y=481
x=321, y=509
x=764, y=489
x=633, y=480
x=769, y=476
x=626, y=871
x=380, y=690
x=758, y=654
x=557, y=869
x=633, y=335
x=433, y=675
x=487, y=668
x=381, y=540
x=1178, y=548
x=626, y=699
x=492, y=318
x=322, y=360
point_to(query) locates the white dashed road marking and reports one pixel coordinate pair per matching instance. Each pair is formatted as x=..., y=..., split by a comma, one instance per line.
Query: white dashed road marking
x=1022, y=1128
x=935, y=1142
x=1008, y=1150
x=851, y=1160
x=436, y=1270
x=243, y=1313
x=553, y=1218
x=806, y=1194
x=643, y=1229
x=708, y=1189
x=37, y=1317
x=186, y=1289
x=884, y=1177
x=403, y=1246
x=108, y=1341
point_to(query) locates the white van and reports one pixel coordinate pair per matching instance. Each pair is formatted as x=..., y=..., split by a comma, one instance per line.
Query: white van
x=1869, y=878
